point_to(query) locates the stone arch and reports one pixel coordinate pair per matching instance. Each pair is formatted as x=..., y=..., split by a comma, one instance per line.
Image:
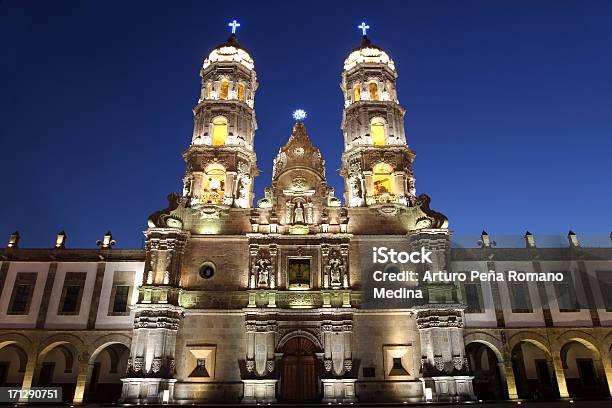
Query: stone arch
x=70, y=341
x=534, y=338
x=299, y=333
x=581, y=337
x=488, y=340
x=15, y=338
x=105, y=341
x=102, y=384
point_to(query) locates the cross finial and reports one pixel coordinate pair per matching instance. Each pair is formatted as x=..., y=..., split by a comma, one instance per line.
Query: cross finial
x=299, y=115
x=364, y=28
x=234, y=24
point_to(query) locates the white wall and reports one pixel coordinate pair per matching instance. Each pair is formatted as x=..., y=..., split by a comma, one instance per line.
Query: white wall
x=23, y=321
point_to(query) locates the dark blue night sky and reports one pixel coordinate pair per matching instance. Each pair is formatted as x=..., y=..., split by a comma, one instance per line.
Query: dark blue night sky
x=509, y=105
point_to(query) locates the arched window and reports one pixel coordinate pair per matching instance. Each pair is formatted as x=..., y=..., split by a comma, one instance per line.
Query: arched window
x=241, y=92
x=208, y=90
x=219, y=131
x=356, y=92
x=382, y=179
x=378, y=131
x=214, y=184
x=373, y=88
x=224, y=89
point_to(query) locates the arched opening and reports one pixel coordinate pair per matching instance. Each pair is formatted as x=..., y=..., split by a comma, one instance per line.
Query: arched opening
x=241, y=92
x=208, y=90
x=58, y=367
x=224, y=89
x=107, y=367
x=373, y=88
x=13, y=361
x=356, y=92
x=299, y=371
x=488, y=383
x=533, y=371
x=382, y=180
x=583, y=371
x=219, y=131
x=214, y=184
x=378, y=131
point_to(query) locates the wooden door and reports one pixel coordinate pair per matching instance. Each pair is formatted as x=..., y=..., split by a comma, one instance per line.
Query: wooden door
x=299, y=373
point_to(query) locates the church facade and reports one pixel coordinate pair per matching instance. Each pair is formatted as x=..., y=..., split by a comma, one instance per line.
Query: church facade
x=236, y=301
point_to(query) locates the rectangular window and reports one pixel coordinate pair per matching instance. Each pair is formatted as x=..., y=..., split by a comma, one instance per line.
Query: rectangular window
x=519, y=297
x=120, y=302
x=22, y=299
x=23, y=290
x=70, y=302
x=604, y=279
x=71, y=299
x=566, y=296
x=473, y=297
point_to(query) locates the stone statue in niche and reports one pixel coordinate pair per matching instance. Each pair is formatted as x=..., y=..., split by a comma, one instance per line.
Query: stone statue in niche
x=336, y=268
x=262, y=271
x=299, y=214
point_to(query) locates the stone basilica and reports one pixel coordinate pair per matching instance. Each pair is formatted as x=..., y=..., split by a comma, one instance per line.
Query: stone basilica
x=233, y=301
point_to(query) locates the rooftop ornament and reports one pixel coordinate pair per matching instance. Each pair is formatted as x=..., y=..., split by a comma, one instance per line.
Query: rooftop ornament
x=299, y=115
x=364, y=28
x=234, y=24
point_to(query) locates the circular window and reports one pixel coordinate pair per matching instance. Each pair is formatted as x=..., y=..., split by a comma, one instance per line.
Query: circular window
x=207, y=270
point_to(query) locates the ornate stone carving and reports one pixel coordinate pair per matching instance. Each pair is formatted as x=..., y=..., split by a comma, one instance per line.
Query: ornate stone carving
x=438, y=363
x=327, y=364
x=348, y=365
x=138, y=363
x=270, y=366
x=156, y=365
x=250, y=365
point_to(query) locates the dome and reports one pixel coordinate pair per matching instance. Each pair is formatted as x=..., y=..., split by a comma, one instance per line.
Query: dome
x=230, y=51
x=368, y=53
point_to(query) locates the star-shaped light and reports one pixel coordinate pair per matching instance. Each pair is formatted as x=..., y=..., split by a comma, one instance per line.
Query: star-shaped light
x=299, y=114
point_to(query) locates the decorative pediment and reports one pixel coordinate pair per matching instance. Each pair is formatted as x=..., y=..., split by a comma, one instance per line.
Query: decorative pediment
x=299, y=152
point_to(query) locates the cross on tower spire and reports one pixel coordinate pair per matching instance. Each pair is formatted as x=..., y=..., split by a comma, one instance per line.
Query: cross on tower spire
x=364, y=28
x=234, y=24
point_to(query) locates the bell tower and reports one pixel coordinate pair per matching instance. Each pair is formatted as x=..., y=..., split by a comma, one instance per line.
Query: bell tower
x=377, y=162
x=221, y=162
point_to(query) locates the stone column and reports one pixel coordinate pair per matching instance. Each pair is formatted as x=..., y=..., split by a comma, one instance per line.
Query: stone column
x=28, y=376
x=83, y=375
x=151, y=365
x=506, y=368
x=260, y=380
x=559, y=374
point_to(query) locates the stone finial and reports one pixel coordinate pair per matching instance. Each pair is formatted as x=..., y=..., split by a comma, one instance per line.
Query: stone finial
x=573, y=239
x=14, y=240
x=60, y=240
x=107, y=242
x=485, y=241
x=529, y=240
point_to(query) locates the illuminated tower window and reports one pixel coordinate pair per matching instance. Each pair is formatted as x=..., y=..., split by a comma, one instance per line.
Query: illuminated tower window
x=373, y=88
x=357, y=93
x=377, y=131
x=382, y=181
x=208, y=90
x=241, y=92
x=219, y=131
x=224, y=89
x=214, y=184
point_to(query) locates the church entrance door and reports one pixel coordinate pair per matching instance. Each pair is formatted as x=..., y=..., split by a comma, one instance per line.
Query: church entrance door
x=299, y=372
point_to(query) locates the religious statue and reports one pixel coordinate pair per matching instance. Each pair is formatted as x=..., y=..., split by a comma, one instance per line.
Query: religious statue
x=214, y=183
x=299, y=214
x=335, y=270
x=262, y=270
